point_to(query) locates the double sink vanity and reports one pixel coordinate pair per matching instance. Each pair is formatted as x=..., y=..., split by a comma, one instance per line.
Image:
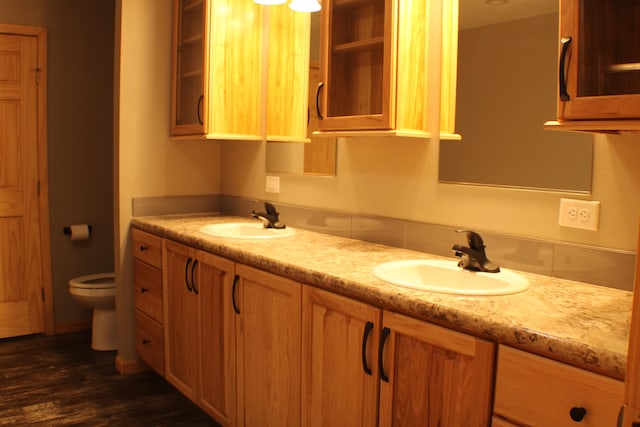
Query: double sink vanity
x=261, y=326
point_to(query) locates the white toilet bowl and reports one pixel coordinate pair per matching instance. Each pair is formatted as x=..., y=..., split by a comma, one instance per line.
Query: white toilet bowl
x=98, y=291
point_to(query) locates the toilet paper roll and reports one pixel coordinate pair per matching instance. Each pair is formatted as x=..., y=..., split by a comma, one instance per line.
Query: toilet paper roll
x=80, y=232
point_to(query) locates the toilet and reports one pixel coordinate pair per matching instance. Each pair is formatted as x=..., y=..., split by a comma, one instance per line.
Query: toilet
x=98, y=292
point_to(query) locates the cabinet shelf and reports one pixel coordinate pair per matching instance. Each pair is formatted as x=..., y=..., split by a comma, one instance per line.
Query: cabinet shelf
x=191, y=74
x=373, y=42
x=623, y=68
x=195, y=39
x=196, y=4
x=595, y=126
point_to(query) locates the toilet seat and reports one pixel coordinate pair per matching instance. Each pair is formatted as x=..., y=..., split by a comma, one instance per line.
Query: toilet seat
x=94, y=281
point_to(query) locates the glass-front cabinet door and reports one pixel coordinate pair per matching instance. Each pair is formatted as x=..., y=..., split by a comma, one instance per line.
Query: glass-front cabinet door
x=599, y=67
x=188, y=67
x=356, y=47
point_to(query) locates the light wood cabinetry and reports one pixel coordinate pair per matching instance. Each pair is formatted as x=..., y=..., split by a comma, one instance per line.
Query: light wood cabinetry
x=535, y=391
x=232, y=63
x=147, y=280
x=254, y=348
x=199, y=329
x=385, y=64
x=268, y=309
x=355, y=354
x=599, y=66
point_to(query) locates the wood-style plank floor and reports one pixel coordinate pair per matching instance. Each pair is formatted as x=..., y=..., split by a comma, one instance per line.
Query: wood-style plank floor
x=59, y=381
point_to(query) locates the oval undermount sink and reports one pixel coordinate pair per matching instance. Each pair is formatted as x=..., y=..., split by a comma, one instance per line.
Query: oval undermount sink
x=445, y=276
x=245, y=230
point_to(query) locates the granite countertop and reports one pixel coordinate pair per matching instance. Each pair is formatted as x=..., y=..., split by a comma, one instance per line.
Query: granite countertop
x=578, y=323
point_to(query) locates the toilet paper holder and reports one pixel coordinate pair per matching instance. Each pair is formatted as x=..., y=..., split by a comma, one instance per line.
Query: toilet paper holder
x=67, y=230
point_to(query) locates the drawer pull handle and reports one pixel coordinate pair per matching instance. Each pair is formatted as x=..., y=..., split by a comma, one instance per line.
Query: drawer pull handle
x=233, y=294
x=564, y=95
x=143, y=248
x=193, y=281
x=186, y=274
x=383, y=339
x=577, y=413
x=365, y=337
x=143, y=290
x=145, y=342
x=318, y=112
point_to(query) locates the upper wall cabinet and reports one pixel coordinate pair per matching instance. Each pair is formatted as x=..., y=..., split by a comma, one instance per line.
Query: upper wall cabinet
x=599, y=66
x=385, y=64
x=232, y=68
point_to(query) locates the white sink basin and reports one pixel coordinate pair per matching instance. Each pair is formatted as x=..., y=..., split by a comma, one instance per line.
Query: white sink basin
x=245, y=230
x=446, y=277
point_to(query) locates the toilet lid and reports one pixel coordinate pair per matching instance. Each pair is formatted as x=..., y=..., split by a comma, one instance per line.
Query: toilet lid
x=94, y=281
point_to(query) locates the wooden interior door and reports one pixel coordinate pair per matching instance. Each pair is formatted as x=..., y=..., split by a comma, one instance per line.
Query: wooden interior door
x=22, y=282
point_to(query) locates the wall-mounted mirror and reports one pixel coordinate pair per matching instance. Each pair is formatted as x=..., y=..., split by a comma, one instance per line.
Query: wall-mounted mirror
x=317, y=157
x=507, y=82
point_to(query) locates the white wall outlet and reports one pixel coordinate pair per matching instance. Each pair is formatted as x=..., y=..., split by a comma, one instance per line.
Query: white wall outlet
x=583, y=214
x=272, y=184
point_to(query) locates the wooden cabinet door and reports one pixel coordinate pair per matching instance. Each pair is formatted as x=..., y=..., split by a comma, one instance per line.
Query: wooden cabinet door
x=339, y=360
x=187, y=67
x=268, y=348
x=217, y=385
x=432, y=376
x=182, y=314
x=356, y=47
x=601, y=72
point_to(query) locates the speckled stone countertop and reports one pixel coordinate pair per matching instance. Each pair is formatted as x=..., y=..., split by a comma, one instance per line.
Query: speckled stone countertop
x=581, y=324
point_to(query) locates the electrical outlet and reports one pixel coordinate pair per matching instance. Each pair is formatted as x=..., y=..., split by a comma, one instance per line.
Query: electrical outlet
x=583, y=214
x=272, y=184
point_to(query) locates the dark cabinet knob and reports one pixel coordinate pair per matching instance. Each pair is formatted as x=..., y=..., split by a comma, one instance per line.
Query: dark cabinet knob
x=145, y=342
x=143, y=248
x=577, y=413
x=143, y=290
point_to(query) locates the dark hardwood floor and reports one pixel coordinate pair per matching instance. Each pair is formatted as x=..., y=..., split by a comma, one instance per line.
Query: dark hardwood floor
x=59, y=381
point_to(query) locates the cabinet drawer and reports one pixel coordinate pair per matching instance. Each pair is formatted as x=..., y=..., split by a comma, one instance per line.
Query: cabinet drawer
x=535, y=391
x=150, y=341
x=147, y=247
x=148, y=290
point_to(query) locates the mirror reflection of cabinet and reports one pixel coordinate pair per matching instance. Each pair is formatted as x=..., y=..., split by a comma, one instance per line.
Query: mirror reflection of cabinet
x=318, y=156
x=376, y=59
x=599, y=63
x=229, y=63
x=320, y=153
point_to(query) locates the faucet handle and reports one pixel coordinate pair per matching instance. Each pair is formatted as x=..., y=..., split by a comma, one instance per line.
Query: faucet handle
x=271, y=210
x=473, y=239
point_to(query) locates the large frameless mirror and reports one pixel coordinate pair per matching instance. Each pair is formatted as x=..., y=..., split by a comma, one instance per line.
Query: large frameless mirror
x=507, y=83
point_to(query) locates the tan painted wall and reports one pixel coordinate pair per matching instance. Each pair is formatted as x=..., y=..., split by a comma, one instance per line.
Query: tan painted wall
x=148, y=163
x=399, y=178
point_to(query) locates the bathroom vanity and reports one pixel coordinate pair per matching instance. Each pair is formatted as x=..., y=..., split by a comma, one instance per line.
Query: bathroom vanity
x=302, y=320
